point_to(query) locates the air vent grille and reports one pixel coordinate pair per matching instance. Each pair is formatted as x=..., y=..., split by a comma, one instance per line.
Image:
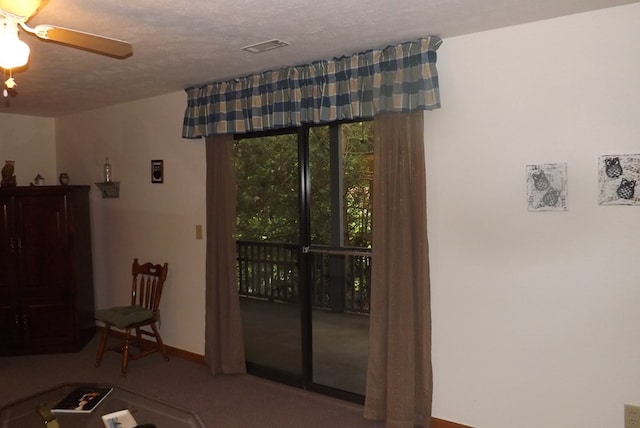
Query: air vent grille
x=265, y=46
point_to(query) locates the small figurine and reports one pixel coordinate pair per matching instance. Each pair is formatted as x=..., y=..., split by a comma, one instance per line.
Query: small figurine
x=64, y=178
x=38, y=181
x=8, y=179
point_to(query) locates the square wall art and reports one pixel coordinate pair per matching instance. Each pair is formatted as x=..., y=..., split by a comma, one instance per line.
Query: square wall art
x=547, y=187
x=617, y=178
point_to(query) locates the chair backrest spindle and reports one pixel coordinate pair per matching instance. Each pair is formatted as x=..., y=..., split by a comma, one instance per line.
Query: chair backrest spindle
x=148, y=280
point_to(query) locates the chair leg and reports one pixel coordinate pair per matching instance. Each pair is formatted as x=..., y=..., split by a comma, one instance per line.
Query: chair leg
x=159, y=342
x=125, y=352
x=103, y=344
x=139, y=338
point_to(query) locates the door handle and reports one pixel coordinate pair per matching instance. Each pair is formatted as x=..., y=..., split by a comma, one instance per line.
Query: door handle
x=306, y=250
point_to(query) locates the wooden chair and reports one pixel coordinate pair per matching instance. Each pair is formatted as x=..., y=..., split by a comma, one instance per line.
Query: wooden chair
x=146, y=291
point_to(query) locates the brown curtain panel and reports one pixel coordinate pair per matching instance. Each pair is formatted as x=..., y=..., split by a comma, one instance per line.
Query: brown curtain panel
x=224, y=345
x=399, y=374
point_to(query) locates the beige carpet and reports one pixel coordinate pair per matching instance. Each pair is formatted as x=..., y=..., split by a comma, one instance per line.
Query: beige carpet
x=222, y=401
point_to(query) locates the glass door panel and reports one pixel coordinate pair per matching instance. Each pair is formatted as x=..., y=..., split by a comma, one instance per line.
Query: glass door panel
x=340, y=206
x=267, y=239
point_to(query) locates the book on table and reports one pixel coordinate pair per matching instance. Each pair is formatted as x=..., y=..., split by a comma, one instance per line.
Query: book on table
x=83, y=399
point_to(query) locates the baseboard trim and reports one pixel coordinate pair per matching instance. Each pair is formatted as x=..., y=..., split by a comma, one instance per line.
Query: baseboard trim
x=197, y=358
x=441, y=423
x=176, y=352
x=185, y=355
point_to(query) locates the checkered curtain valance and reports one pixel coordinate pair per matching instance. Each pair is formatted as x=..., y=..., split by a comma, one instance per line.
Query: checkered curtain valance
x=397, y=78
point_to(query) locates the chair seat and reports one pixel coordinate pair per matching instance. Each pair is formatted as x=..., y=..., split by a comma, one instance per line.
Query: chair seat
x=123, y=316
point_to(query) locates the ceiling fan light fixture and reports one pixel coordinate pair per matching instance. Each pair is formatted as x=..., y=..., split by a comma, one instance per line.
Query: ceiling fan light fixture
x=13, y=51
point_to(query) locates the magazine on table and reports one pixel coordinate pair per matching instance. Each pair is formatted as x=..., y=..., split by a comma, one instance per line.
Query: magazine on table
x=83, y=399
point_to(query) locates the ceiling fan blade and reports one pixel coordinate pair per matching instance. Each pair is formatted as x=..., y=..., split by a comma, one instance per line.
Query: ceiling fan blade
x=87, y=41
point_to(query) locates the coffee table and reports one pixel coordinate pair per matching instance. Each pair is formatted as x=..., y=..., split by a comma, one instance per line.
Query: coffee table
x=146, y=410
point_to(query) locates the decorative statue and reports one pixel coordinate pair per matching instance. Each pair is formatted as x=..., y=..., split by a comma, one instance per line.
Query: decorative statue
x=8, y=179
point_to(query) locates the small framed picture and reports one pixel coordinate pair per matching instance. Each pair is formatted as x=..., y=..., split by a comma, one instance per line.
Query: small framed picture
x=618, y=176
x=547, y=187
x=157, y=171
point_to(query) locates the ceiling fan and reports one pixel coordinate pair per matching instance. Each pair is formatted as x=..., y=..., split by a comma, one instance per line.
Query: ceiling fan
x=14, y=53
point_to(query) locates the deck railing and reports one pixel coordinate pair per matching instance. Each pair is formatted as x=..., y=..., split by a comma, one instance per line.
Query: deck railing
x=270, y=271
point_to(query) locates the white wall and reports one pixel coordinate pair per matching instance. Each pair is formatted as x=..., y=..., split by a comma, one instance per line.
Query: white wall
x=535, y=314
x=154, y=222
x=30, y=142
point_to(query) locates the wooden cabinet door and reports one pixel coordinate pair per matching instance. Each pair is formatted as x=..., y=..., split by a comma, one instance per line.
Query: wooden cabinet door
x=8, y=244
x=48, y=321
x=43, y=241
x=9, y=326
x=46, y=288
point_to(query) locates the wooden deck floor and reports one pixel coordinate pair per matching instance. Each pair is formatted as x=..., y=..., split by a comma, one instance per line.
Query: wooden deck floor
x=272, y=335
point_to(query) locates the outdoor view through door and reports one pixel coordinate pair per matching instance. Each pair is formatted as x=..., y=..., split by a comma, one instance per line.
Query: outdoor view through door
x=303, y=238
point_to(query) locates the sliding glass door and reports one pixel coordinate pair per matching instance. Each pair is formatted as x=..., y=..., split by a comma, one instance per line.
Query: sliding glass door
x=304, y=240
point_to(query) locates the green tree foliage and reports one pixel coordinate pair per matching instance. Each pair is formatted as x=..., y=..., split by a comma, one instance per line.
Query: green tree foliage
x=267, y=170
x=267, y=201
x=358, y=166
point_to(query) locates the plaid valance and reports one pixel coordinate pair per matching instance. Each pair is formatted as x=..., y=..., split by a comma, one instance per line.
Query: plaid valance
x=397, y=78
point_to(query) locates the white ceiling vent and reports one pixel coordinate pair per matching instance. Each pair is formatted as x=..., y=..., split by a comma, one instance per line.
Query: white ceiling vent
x=265, y=46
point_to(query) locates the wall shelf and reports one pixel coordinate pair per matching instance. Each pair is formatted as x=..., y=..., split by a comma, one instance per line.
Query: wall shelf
x=109, y=189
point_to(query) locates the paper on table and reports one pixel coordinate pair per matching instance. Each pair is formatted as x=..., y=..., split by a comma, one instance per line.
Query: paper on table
x=119, y=419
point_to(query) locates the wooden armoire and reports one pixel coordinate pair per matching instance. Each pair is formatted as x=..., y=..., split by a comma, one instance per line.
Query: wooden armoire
x=46, y=273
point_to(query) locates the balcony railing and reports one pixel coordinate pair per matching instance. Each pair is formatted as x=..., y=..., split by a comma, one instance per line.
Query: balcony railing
x=271, y=271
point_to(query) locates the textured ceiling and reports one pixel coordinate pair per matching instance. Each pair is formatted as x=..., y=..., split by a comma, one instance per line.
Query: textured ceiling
x=179, y=43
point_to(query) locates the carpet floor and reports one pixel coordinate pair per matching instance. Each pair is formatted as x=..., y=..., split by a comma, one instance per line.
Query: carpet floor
x=221, y=401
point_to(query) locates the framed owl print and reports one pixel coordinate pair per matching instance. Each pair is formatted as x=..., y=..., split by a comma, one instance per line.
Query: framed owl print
x=157, y=171
x=617, y=179
x=547, y=187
